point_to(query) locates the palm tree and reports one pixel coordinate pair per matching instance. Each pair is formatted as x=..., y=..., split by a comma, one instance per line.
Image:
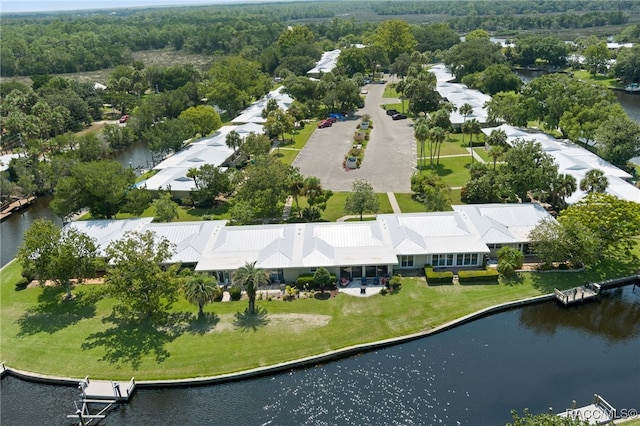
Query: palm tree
x=509, y=260
x=465, y=111
x=296, y=185
x=233, y=140
x=495, y=152
x=594, y=181
x=497, y=138
x=201, y=289
x=251, y=278
x=311, y=214
x=473, y=127
x=437, y=135
x=401, y=88
x=421, y=133
x=565, y=185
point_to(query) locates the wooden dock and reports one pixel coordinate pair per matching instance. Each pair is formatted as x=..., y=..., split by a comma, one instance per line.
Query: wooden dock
x=101, y=393
x=106, y=389
x=19, y=204
x=586, y=292
x=599, y=412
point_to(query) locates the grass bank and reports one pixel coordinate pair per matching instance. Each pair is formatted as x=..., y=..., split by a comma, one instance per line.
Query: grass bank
x=42, y=334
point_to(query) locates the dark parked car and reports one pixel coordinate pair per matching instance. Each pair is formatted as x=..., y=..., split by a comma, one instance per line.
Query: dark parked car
x=399, y=117
x=392, y=112
x=324, y=123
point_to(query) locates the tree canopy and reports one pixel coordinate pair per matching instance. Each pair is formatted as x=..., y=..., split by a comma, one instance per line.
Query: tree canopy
x=362, y=199
x=139, y=277
x=100, y=186
x=60, y=255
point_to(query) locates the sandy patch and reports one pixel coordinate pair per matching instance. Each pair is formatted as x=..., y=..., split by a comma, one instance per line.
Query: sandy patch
x=286, y=323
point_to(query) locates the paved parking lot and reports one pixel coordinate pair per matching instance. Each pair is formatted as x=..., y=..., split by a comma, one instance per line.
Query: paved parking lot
x=389, y=159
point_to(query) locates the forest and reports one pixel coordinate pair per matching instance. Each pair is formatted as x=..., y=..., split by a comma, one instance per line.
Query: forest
x=62, y=43
x=256, y=48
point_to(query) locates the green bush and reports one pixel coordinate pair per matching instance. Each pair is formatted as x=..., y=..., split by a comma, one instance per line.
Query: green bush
x=478, y=275
x=235, y=293
x=433, y=277
x=311, y=285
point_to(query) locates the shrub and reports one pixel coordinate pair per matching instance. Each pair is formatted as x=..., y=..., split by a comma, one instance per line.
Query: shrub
x=384, y=291
x=218, y=297
x=235, y=293
x=433, y=277
x=395, y=283
x=478, y=275
x=307, y=279
x=290, y=292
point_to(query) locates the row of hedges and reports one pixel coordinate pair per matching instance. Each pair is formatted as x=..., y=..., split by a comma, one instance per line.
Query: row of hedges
x=307, y=280
x=475, y=276
x=433, y=277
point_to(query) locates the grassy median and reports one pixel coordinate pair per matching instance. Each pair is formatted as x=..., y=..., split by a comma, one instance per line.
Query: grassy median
x=40, y=333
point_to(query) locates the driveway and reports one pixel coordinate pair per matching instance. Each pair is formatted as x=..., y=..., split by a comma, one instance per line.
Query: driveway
x=389, y=160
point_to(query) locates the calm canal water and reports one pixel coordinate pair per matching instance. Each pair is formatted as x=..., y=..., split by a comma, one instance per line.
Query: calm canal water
x=538, y=356
x=13, y=228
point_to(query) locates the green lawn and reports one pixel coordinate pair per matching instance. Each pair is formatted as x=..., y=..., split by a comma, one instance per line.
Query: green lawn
x=408, y=204
x=453, y=170
x=301, y=136
x=450, y=147
x=390, y=92
x=484, y=155
x=335, y=205
x=603, y=80
x=287, y=156
x=42, y=334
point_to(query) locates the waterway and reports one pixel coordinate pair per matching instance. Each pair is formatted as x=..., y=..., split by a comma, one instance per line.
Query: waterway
x=13, y=228
x=539, y=356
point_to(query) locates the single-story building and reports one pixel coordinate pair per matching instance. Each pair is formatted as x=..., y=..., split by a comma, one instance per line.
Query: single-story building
x=392, y=243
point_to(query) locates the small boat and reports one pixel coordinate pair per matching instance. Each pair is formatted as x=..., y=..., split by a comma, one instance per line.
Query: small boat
x=633, y=87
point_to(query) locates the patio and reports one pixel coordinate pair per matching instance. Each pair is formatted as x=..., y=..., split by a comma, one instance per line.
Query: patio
x=356, y=288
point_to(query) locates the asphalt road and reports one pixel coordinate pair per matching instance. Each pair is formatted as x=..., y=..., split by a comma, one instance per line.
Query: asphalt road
x=389, y=160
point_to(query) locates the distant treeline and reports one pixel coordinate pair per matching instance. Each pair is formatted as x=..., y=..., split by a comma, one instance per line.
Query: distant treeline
x=504, y=7
x=64, y=43
x=67, y=44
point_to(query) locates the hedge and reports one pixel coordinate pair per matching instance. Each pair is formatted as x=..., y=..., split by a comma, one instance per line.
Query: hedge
x=478, y=275
x=433, y=277
x=307, y=279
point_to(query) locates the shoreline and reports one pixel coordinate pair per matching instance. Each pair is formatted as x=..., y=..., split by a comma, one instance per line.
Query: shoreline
x=314, y=359
x=294, y=364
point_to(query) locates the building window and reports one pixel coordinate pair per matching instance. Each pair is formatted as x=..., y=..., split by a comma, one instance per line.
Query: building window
x=406, y=261
x=460, y=258
x=276, y=275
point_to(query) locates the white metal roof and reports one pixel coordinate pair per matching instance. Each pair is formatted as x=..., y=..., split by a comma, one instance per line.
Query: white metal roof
x=432, y=233
x=189, y=238
x=105, y=231
x=576, y=161
x=253, y=114
x=327, y=63
x=215, y=246
x=504, y=223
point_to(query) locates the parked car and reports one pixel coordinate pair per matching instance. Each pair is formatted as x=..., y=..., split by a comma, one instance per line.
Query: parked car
x=324, y=123
x=392, y=112
x=338, y=116
x=364, y=91
x=331, y=119
x=399, y=117
x=124, y=118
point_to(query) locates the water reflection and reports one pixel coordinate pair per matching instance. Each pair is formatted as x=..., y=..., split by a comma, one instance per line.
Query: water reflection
x=617, y=318
x=472, y=375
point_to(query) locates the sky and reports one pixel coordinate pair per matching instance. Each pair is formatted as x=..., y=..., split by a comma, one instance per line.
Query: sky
x=12, y=6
